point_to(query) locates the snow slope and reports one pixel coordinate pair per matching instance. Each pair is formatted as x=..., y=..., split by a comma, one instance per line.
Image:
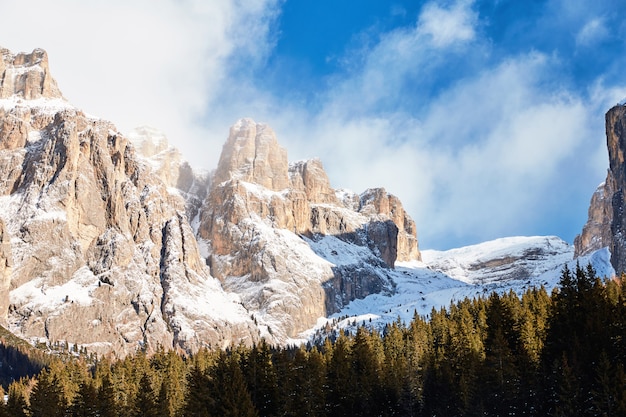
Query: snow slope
x=444, y=277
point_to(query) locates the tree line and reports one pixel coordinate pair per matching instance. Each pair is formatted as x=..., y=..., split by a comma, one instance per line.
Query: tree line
x=538, y=354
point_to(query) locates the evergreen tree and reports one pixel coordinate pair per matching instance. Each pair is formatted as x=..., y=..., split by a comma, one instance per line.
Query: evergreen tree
x=145, y=404
x=261, y=379
x=16, y=403
x=46, y=399
x=107, y=406
x=229, y=390
x=198, y=401
x=340, y=399
x=85, y=402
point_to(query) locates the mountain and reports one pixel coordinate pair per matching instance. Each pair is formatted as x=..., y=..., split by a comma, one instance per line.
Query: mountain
x=502, y=265
x=101, y=252
x=606, y=226
x=114, y=242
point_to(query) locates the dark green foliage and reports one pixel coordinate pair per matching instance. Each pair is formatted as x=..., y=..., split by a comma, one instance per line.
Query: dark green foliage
x=86, y=402
x=228, y=389
x=145, y=404
x=199, y=402
x=46, y=399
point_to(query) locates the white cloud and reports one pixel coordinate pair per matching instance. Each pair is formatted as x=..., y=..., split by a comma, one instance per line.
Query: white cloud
x=592, y=32
x=158, y=62
x=472, y=163
x=479, y=164
x=446, y=26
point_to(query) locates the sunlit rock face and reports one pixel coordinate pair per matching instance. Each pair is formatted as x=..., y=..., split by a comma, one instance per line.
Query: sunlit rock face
x=26, y=76
x=263, y=215
x=114, y=242
x=606, y=226
x=95, y=249
x=596, y=233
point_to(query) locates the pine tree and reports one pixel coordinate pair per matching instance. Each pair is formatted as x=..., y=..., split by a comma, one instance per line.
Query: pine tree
x=85, y=402
x=46, y=399
x=198, y=401
x=145, y=404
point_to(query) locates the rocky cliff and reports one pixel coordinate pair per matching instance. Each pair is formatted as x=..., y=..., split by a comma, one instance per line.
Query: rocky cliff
x=97, y=250
x=114, y=242
x=262, y=222
x=606, y=226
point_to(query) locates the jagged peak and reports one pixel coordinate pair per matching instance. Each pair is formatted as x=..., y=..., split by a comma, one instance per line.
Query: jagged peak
x=27, y=76
x=148, y=140
x=252, y=154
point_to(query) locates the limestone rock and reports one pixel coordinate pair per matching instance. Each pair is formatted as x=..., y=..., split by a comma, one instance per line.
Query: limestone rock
x=6, y=264
x=167, y=162
x=616, y=142
x=100, y=252
x=26, y=75
x=378, y=202
x=115, y=243
x=606, y=226
x=596, y=233
x=252, y=154
x=266, y=224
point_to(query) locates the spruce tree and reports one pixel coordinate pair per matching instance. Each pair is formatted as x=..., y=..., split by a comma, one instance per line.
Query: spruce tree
x=85, y=402
x=16, y=403
x=229, y=390
x=145, y=404
x=46, y=399
x=198, y=401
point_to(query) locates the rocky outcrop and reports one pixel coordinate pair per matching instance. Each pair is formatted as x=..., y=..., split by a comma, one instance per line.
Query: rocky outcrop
x=616, y=142
x=6, y=264
x=262, y=215
x=606, y=226
x=98, y=241
x=596, y=233
x=101, y=252
x=26, y=76
x=168, y=164
x=252, y=154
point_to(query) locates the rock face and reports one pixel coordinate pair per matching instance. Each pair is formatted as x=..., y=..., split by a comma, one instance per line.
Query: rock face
x=606, y=226
x=596, y=233
x=168, y=164
x=26, y=76
x=97, y=249
x=263, y=219
x=115, y=243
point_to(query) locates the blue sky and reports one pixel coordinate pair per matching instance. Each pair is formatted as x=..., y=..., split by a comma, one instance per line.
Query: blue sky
x=485, y=117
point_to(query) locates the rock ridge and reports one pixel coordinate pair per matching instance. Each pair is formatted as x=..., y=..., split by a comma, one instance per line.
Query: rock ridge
x=258, y=199
x=26, y=75
x=606, y=225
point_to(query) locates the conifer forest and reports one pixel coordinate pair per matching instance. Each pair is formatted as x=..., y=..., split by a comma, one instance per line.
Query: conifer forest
x=538, y=354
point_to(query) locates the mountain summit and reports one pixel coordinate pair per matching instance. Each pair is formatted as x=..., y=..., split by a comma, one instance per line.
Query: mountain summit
x=27, y=76
x=606, y=226
x=115, y=243
x=97, y=247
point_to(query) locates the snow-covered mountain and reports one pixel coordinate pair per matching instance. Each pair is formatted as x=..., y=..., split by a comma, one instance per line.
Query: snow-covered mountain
x=114, y=242
x=443, y=277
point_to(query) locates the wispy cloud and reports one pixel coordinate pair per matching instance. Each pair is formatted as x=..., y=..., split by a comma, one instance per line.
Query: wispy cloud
x=447, y=26
x=593, y=31
x=161, y=62
x=477, y=142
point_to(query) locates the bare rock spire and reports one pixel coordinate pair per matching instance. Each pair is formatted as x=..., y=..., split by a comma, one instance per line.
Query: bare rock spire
x=26, y=75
